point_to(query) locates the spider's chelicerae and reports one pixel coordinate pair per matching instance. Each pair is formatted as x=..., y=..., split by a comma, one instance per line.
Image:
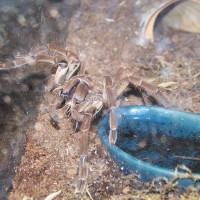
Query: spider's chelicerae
x=82, y=97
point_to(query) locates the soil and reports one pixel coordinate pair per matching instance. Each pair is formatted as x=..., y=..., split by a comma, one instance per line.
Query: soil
x=106, y=36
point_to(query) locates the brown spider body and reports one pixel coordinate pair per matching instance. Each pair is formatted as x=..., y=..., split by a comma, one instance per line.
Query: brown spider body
x=83, y=98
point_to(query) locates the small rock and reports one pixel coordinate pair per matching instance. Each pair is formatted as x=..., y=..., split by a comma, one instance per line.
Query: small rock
x=126, y=190
x=38, y=126
x=71, y=172
x=22, y=20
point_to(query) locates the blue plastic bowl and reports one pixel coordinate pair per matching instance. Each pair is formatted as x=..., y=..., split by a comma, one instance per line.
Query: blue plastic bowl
x=152, y=141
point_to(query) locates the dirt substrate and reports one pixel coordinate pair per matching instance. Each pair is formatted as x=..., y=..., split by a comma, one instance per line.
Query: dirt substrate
x=106, y=36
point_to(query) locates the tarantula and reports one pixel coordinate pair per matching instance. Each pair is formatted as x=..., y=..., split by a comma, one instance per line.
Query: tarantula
x=82, y=97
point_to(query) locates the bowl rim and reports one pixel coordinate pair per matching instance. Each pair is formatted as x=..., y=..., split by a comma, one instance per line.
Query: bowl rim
x=125, y=157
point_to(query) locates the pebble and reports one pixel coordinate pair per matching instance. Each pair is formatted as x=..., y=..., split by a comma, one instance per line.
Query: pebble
x=54, y=13
x=126, y=190
x=22, y=20
x=38, y=126
x=7, y=99
x=72, y=172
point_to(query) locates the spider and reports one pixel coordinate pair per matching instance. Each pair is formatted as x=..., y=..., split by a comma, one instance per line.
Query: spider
x=83, y=98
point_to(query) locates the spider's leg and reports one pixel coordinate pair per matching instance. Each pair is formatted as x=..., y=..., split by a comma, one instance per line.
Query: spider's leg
x=83, y=170
x=110, y=100
x=85, y=113
x=146, y=100
x=46, y=59
x=19, y=62
x=150, y=90
x=125, y=77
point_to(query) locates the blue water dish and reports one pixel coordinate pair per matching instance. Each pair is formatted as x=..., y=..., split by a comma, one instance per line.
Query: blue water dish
x=152, y=141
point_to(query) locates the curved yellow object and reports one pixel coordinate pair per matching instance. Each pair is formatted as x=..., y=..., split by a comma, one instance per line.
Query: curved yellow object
x=147, y=25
